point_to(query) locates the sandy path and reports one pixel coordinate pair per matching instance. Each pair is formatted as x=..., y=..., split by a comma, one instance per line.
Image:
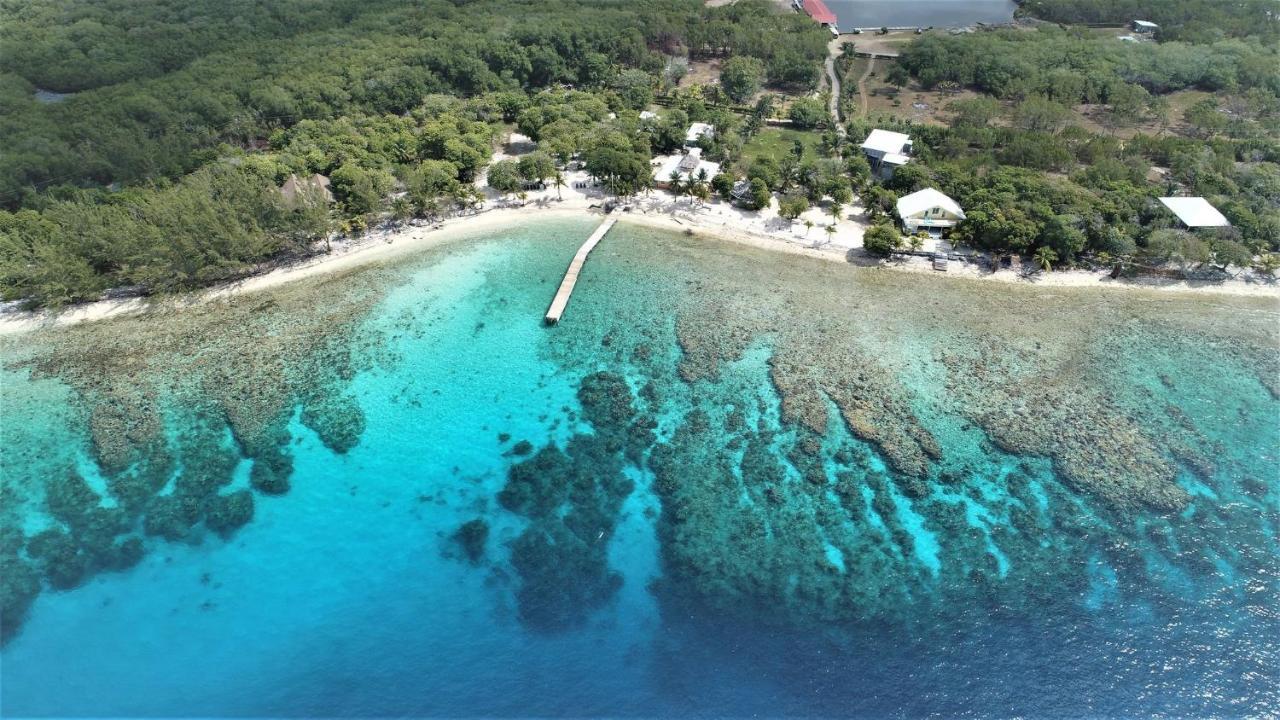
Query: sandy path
x=864, y=103
x=833, y=102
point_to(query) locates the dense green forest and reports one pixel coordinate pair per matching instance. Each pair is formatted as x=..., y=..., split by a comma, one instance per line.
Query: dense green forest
x=381, y=59
x=160, y=170
x=103, y=187
x=1188, y=20
x=71, y=45
x=1076, y=67
x=1030, y=177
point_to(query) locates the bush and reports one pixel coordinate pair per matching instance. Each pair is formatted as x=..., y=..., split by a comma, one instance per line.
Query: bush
x=759, y=194
x=723, y=185
x=881, y=239
x=807, y=113
x=741, y=77
x=790, y=206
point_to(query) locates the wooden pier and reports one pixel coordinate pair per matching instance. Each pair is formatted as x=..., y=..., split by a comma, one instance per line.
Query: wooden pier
x=561, y=299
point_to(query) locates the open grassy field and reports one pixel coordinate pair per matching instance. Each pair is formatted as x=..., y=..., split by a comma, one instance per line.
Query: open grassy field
x=777, y=143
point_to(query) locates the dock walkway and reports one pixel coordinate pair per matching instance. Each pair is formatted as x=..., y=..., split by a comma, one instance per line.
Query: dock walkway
x=561, y=299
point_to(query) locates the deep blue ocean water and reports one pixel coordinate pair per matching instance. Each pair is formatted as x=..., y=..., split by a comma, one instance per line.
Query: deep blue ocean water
x=348, y=596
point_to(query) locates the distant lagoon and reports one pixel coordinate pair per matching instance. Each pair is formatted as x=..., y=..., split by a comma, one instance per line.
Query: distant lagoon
x=920, y=13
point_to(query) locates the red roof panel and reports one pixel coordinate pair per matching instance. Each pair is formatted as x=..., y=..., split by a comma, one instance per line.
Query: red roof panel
x=819, y=11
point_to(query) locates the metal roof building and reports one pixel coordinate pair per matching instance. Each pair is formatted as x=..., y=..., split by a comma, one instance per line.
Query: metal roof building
x=927, y=199
x=1195, y=212
x=888, y=146
x=819, y=11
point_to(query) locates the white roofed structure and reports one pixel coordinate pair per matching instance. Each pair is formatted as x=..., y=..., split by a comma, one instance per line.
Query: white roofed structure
x=697, y=131
x=928, y=209
x=1195, y=212
x=926, y=199
x=1145, y=26
x=887, y=150
x=887, y=142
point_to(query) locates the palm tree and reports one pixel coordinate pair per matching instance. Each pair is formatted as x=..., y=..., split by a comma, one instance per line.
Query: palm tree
x=1045, y=257
x=701, y=192
x=677, y=185
x=559, y=181
x=697, y=184
x=831, y=231
x=834, y=210
x=808, y=225
x=401, y=210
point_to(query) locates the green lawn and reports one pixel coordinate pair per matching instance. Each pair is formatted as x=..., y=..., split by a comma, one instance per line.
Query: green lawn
x=777, y=143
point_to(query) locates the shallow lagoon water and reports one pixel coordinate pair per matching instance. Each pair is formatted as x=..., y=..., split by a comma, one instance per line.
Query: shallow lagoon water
x=920, y=13
x=350, y=596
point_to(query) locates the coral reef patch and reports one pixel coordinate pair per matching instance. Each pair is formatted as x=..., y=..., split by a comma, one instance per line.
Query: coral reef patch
x=172, y=407
x=572, y=499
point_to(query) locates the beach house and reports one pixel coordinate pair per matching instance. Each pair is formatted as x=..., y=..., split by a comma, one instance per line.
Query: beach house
x=928, y=210
x=689, y=165
x=697, y=131
x=886, y=151
x=1195, y=212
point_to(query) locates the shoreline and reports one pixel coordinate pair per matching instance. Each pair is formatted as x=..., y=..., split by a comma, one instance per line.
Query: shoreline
x=733, y=228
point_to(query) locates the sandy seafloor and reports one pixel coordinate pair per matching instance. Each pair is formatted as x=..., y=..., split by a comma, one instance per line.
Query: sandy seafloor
x=754, y=484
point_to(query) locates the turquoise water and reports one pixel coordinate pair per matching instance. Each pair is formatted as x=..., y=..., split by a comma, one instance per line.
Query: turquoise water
x=697, y=495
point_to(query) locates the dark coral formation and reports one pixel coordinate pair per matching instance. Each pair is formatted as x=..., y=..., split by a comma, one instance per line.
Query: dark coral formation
x=172, y=409
x=804, y=522
x=19, y=587
x=871, y=403
x=814, y=366
x=473, y=537
x=572, y=498
x=224, y=514
x=1094, y=445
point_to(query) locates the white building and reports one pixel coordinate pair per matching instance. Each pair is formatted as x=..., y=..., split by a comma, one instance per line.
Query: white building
x=928, y=210
x=1195, y=212
x=1142, y=26
x=697, y=131
x=886, y=150
x=689, y=165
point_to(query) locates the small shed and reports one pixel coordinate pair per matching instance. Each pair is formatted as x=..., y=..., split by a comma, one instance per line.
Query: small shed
x=1195, y=212
x=1144, y=26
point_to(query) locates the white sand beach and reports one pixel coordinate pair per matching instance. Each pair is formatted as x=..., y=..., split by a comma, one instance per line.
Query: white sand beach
x=721, y=220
